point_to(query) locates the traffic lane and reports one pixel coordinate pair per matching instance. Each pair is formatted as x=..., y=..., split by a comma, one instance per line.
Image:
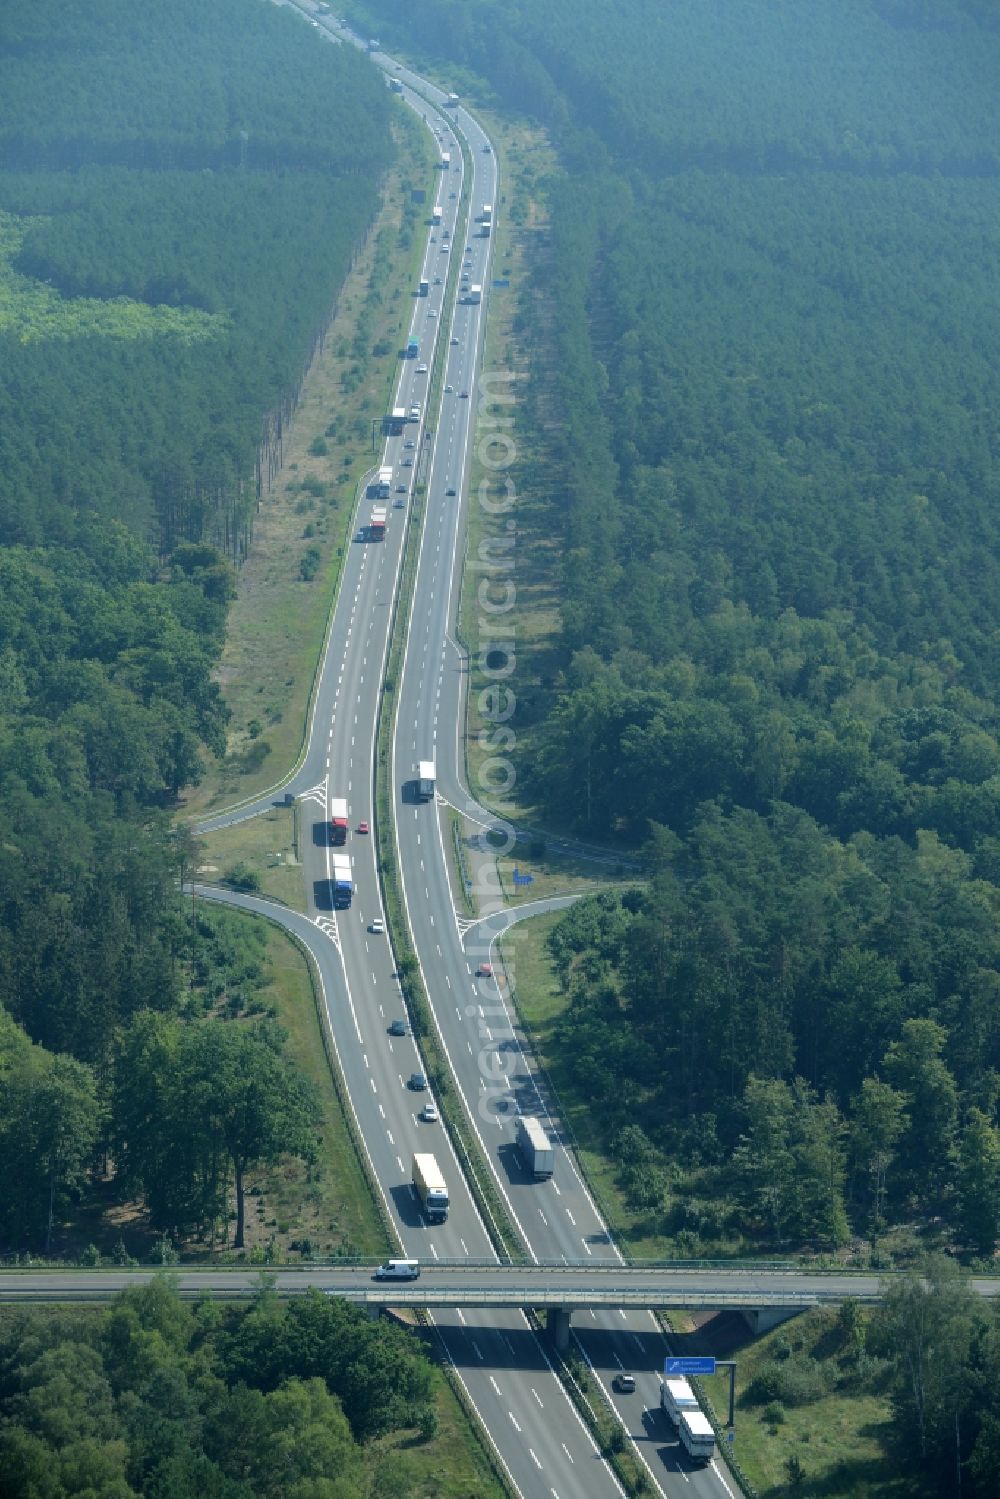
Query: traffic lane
x=312, y=768
x=558, y=1215
x=547, y=1448
x=619, y=1343
x=493, y=1080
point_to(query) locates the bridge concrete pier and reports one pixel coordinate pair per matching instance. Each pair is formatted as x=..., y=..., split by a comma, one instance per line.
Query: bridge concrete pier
x=761, y=1319
x=557, y=1322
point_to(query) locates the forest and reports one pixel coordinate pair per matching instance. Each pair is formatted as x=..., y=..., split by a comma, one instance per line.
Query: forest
x=766, y=421
x=182, y=190
x=157, y=1397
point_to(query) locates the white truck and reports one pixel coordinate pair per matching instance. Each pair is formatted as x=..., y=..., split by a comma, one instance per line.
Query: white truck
x=445, y=161
x=430, y=1187
x=426, y=777
x=693, y=1427
x=535, y=1148
x=437, y=214
x=380, y=487
x=338, y=820
x=474, y=295
x=342, y=882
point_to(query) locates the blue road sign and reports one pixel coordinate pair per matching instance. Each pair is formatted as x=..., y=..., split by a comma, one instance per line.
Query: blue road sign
x=688, y=1366
x=730, y=1436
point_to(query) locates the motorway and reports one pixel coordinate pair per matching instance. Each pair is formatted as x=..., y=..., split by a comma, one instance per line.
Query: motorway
x=520, y=1395
x=531, y=1422
x=529, y=1417
x=478, y=1316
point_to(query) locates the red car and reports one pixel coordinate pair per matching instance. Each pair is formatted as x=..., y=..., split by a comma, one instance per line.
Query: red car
x=484, y=971
x=362, y=827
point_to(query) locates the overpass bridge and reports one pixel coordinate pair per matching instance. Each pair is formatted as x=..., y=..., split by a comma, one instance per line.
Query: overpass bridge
x=765, y=1293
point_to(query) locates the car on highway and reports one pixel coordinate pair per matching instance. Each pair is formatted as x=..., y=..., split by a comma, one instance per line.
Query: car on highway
x=398, y=1270
x=429, y=1113
x=418, y=1082
x=399, y=1028
x=624, y=1383
x=400, y=488
x=432, y=312
x=444, y=249
x=463, y=395
x=454, y=342
x=421, y=369
x=362, y=826
x=484, y=971
x=438, y=281
x=487, y=149
x=409, y=443
x=450, y=490
x=406, y=463
x=449, y=390
x=376, y=926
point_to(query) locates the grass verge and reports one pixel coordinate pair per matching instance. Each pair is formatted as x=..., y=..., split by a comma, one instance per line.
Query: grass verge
x=260, y=854
x=456, y=1463
x=832, y=1445
x=330, y=1207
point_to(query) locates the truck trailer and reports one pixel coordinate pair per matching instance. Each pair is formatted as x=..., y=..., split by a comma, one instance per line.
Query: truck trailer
x=693, y=1427
x=338, y=820
x=343, y=884
x=437, y=214
x=474, y=294
x=425, y=780
x=445, y=161
x=423, y=287
x=535, y=1148
x=376, y=526
x=430, y=1187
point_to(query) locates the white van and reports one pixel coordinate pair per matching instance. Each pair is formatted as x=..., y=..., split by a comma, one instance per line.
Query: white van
x=398, y=1270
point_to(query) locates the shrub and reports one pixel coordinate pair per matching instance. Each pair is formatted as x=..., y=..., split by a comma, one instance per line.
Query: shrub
x=318, y=447
x=795, y=1381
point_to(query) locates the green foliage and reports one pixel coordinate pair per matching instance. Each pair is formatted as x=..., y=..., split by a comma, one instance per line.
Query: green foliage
x=944, y=1354
x=195, y=1107
x=152, y=1397
x=366, y=1364
x=793, y=1381
x=183, y=191
x=763, y=410
x=49, y=1123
